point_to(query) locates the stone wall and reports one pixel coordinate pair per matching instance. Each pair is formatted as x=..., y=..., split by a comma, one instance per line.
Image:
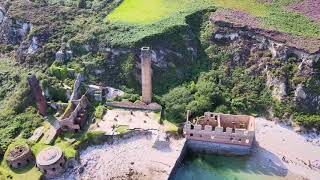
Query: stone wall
x=179, y=161
x=75, y=117
x=19, y=157
x=196, y=146
x=54, y=169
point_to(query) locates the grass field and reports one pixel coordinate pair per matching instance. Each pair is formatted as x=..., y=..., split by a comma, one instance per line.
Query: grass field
x=144, y=12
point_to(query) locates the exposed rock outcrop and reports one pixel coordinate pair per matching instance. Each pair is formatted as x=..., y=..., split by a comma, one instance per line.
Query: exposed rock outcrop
x=64, y=54
x=269, y=52
x=12, y=31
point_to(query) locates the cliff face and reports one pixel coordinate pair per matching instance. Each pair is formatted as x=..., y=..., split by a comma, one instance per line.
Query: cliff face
x=291, y=64
x=12, y=31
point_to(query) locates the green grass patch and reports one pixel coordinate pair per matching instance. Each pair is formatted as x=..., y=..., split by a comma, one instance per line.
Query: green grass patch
x=249, y=6
x=121, y=129
x=170, y=127
x=145, y=11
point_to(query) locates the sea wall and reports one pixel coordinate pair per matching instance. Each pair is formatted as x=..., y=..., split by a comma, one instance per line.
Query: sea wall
x=195, y=146
x=179, y=161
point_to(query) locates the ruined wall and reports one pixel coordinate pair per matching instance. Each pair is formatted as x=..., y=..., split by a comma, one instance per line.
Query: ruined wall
x=231, y=129
x=77, y=116
x=19, y=157
x=217, y=135
x=53, y=169
x=37, y=93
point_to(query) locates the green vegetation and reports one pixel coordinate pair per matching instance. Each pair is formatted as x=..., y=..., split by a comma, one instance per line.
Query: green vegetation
x=70, y=149
x=121, y=129
x=99, y=112
x=26, y=173
x=219, y=90
x=143, y=11
x=147, y=18
x=309, y=121
x=12, y=125
x=206, y=81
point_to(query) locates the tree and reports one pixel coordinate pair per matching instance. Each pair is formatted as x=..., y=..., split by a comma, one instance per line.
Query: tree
x=82, y=4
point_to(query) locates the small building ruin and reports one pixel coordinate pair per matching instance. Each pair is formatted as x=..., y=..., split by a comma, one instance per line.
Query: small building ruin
x=217, y=128
x=51, y=161
x=74, y=117
x=20, y=156
x=101, y=93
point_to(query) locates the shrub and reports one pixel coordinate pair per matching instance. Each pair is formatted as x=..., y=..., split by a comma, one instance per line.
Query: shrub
x=308, y=120
x=99, y=112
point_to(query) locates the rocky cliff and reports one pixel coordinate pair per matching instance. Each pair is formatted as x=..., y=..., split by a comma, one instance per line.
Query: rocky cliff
x=291, y=63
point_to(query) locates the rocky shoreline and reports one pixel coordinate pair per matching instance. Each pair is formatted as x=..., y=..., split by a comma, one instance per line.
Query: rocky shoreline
x=132, y=158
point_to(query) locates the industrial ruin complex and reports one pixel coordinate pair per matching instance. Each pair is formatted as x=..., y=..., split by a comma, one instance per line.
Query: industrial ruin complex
x=226, y=129
x=211, y=133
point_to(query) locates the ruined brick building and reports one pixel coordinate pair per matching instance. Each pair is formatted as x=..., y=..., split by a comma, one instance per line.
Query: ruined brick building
x=20, y=156
x=75, y=116
x=238, y=130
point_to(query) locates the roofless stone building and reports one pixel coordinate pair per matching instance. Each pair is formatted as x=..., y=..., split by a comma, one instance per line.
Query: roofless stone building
x=221, y=133
x=20, y=156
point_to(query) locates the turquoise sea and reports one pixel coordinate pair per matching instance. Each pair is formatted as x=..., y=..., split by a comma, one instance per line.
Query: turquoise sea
x=214, y=167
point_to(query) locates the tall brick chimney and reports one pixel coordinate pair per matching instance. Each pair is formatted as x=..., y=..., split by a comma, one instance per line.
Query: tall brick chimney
x=37, y=94
x=146, y=75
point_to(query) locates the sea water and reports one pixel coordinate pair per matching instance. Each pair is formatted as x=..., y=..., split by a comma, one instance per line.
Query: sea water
x=216, y=167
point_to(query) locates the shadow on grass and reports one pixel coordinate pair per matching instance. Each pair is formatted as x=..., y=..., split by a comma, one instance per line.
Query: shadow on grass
x=24, y=169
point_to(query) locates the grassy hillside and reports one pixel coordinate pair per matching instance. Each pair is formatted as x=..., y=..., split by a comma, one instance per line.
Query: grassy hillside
x=272, y=15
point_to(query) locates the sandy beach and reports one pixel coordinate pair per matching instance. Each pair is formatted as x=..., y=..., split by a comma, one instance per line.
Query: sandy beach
x=133, y=158
x=296, y=153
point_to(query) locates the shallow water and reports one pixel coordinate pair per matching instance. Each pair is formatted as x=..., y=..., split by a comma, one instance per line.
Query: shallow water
x=214, y=167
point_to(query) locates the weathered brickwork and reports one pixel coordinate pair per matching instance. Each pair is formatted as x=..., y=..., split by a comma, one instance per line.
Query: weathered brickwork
x=51, y=161
x=222, y=128
x=146, y=75
x=75, y=117
x=20, y=156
